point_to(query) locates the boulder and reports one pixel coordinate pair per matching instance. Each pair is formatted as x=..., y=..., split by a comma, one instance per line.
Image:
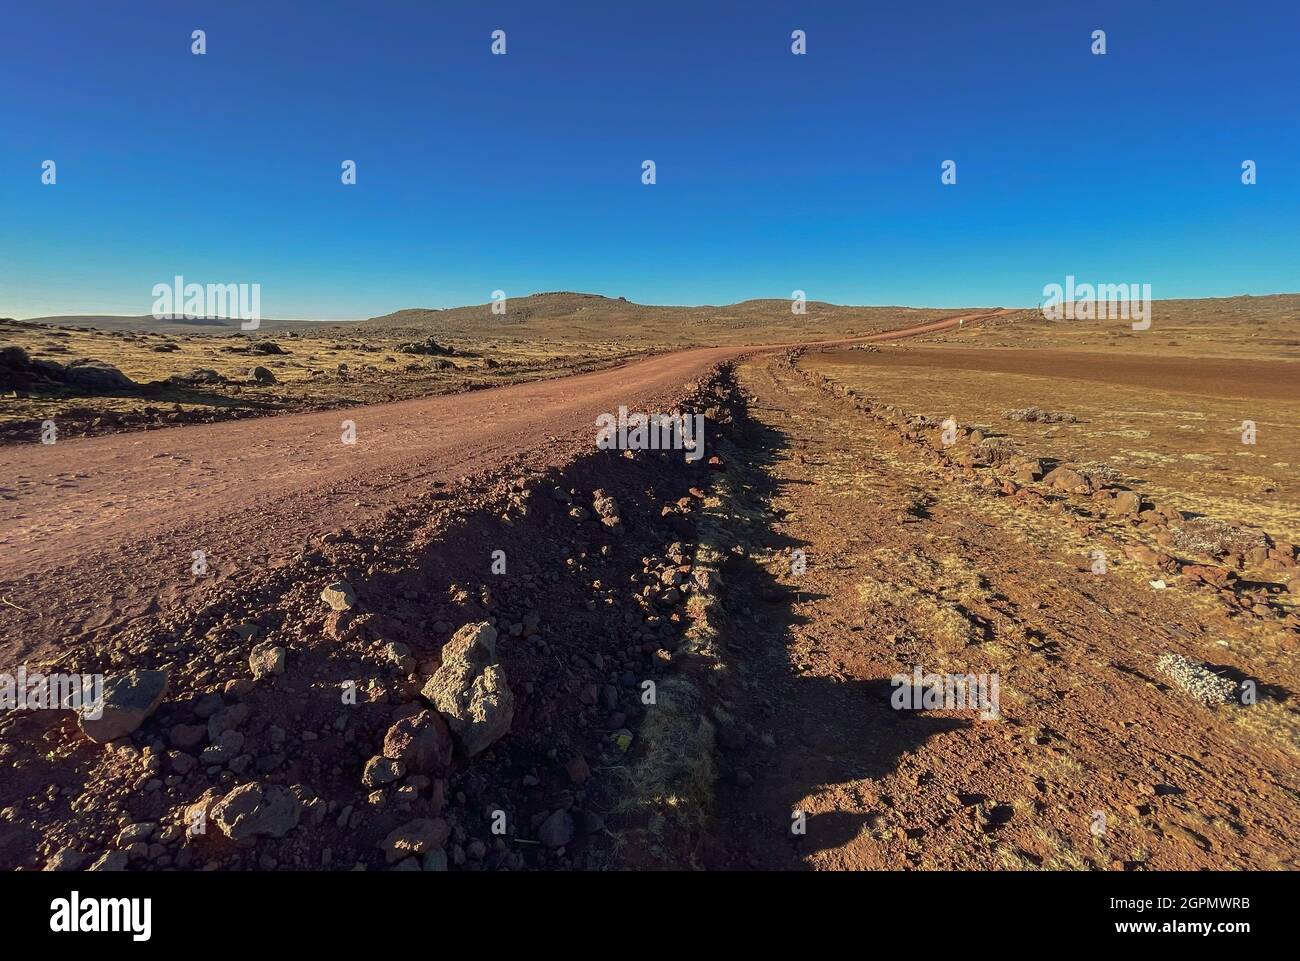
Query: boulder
x=266, y=659
x=339, y=596
x=93, y=374
x=126, y=701
x=257, y=810
x=422, y=741
x=1066, y=479
x=470, y=689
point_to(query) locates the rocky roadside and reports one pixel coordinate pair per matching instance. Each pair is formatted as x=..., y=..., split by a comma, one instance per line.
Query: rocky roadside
x=1247, y=571
x=457, y=690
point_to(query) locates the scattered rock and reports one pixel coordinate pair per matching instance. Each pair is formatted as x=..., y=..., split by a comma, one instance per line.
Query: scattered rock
x=257, y=810
x=339, y=596
x=470, y=690
x=422, y=742
x=417, y=837
x=266, y=660
x=382, y=770
x=127, y=700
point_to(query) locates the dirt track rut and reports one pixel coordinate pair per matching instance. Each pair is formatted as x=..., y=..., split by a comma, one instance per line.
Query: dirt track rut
x=906, y=566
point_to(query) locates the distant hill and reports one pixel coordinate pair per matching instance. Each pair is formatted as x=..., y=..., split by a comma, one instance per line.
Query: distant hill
x=567, y=316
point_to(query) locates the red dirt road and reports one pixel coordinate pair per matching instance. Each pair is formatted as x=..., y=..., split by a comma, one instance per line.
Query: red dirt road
x=97, y=531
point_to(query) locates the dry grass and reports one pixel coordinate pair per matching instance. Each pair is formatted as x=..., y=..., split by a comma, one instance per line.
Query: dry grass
x=321, y=368
x=1179, y=449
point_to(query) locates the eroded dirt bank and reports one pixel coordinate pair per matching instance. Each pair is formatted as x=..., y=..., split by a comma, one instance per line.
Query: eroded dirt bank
x=456, y=684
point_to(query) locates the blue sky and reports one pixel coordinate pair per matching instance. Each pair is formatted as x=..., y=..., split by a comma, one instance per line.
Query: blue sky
x=775, y=172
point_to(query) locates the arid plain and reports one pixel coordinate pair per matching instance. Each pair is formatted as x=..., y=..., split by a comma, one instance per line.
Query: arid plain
x=561, y=656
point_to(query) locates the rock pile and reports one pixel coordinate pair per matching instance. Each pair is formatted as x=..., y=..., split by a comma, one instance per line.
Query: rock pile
x=470, y=689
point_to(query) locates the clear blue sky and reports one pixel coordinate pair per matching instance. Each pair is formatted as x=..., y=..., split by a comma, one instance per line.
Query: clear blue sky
x=523, y=172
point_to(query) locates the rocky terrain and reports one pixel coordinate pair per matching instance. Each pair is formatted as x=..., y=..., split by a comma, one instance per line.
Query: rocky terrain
x=90, y=381
x=471, y=641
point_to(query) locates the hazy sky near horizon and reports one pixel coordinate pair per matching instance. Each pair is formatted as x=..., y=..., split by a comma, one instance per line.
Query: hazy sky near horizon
x=522, y=172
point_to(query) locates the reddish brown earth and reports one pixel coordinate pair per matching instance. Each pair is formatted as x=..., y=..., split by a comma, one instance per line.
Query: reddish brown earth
x=108, y=524
x=914, y=559
x=1211, y=376
x=914, y=556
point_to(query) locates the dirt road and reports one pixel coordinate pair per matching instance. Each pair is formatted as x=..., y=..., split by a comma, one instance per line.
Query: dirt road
x=95, y=532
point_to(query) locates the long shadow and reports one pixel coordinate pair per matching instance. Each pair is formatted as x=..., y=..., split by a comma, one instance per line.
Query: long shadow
x=794, y=734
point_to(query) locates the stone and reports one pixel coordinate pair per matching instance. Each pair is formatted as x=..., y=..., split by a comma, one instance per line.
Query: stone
x=435, y=861
x=127, y=700
x=476, y=703
x=557, y=830
x=257, y=810
x=227, y=719
x=417, y=837
x=1066, y=479
x=1026, y=472
x=208, y=705
x=1146, y=555
x=111, y=861
x=399, y=655
x=382, y=770
x=266, y=660
x=1214, y=576
x=470, y=690
x=186, y=736
x=578, y=769
x=476, y=643
x=66, y=859
x=141, y=831
x=339, y=596
x=422, y=742
x=1126, y=504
